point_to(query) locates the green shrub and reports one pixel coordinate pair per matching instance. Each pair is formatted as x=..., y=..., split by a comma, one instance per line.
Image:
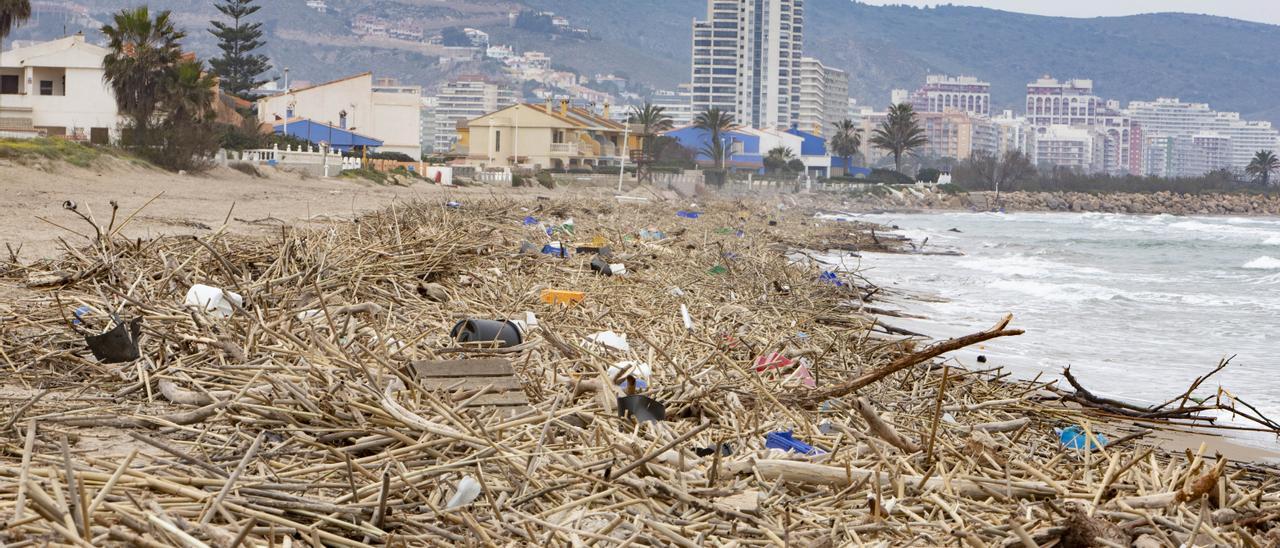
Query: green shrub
x=545, y=179
x=367, y=174
x=23, y=150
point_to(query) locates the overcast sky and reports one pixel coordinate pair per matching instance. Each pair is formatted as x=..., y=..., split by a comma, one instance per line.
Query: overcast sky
x=1265, y=11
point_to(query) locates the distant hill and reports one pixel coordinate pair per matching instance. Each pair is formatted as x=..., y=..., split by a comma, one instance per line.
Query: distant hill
x=1231, y=64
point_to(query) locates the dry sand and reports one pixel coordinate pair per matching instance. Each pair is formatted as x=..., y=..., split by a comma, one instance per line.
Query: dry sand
x=189, y=204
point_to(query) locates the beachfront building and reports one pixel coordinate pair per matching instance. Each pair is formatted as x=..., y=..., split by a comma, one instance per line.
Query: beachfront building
x=351, y=108
x=824, y=97
x=547, y=136
x=57, y=88
x=464, y=99
x=676, y=104
x=746, y=60
x=1171, y=118
x=744, y=147
x=942, y=93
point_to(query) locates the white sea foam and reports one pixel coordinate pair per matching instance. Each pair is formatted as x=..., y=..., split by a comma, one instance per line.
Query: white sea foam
x=1028, y=267
x=1263, y=263
x=1274, y=240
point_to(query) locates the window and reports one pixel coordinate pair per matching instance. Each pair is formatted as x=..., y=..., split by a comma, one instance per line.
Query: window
x=497, y=141
x=46, y=87
x=9, y=84
x=342, y=119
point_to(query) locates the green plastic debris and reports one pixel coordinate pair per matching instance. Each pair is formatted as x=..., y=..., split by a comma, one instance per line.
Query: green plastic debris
x=717, y=269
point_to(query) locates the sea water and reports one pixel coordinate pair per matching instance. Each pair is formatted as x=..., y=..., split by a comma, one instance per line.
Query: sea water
x=1137, y=306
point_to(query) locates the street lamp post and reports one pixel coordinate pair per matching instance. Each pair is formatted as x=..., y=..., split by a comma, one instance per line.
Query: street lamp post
x=622, y=162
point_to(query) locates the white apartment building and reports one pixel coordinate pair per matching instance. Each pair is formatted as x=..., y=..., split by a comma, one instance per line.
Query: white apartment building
x=942, y=93
x=427, y=124
x=746, y=60
x=824, y=97
x=1073, y=147
x=465, y=99
x=677, y=104
x=357, y=105
x=1070, y=103
x=57, y=88
x=1014, y=133
x=1169, y=117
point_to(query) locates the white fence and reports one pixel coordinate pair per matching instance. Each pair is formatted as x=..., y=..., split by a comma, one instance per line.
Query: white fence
x=322, y=160
x=503, y=176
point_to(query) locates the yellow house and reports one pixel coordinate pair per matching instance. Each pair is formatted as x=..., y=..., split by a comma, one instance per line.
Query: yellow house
x=544, y=137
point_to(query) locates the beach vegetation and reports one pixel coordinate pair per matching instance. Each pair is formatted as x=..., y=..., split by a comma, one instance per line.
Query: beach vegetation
x=652, y=120
x=716, y=123
x=165, y=97
x=899, y=134
x=238, y=68
x=846, y=142
x=1262, y=166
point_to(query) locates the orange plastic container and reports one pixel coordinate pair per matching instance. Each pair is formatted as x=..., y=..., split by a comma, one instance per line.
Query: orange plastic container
x=559, y=296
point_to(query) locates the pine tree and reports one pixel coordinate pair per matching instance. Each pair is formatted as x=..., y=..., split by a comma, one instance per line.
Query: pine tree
x=238, y=68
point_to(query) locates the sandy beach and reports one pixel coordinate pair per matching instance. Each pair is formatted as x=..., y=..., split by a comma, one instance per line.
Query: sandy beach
x=348, y=307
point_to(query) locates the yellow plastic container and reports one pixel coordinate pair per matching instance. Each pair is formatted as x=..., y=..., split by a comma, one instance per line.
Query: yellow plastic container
x=560, y=296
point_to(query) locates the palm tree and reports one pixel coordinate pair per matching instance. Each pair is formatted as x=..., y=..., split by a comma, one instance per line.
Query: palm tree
x=12, y=13
x=1264, y=163
x=716, y=123
x=778, y=158
x=653, y=120
x=141, y=63
x=899, y=134
x=189, y=93
x=846, y=142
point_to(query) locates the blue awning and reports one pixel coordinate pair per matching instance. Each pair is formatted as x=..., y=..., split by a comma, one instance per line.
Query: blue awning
x=339, y=139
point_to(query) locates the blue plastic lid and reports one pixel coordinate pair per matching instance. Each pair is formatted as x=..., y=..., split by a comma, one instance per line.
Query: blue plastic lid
x=783, y=440
x=1073, y=437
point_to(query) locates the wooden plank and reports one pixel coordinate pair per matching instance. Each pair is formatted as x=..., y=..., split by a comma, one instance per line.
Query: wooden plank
x=487, y=367
x=453, y=383
x=501, y=399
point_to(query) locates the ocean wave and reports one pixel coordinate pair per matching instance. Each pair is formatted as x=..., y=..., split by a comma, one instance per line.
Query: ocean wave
x=1070, y=293
x=1274, y=240
x=1028, y=267
x=1263, y=263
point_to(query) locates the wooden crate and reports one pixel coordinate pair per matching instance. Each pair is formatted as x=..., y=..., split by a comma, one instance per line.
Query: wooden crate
x=477, y=383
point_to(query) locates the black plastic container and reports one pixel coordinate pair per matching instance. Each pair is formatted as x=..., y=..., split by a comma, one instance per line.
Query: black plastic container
x=499, y=333
x=119, y=345
x=643, y=408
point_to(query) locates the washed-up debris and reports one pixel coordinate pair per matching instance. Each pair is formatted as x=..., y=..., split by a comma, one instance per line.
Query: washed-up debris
x=610, y=340
x=786, y=441
x=468, y=491
x=642, y=408
x=213, y=301
x=332, y=407
x=481, y=383
x=652, y=234
x=562, y=297
x=635, y=371
x=555, y=249
x=500, y=333
x=1074, y=437
x=118, y=345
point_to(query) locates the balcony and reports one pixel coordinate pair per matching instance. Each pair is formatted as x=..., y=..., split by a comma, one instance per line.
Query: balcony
x=565, y=149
